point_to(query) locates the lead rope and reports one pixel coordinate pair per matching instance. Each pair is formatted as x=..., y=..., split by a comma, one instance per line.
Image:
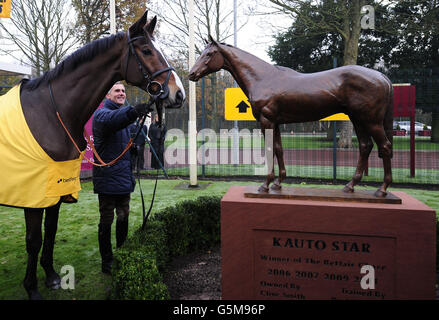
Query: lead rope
x=153, y=99
x=91, y=144
x=145, y=216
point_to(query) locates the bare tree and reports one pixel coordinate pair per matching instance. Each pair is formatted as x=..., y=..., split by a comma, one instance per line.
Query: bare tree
x=212, y=17
x=39, y=30
x=93, y=17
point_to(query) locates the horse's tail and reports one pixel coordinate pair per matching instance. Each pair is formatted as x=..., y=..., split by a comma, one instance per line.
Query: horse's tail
x=388, y=116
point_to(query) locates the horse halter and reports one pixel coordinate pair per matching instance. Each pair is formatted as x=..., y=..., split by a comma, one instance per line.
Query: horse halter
x=161, y=91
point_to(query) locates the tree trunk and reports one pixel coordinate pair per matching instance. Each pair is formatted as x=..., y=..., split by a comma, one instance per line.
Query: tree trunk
x=351, y=37
x=330, y=130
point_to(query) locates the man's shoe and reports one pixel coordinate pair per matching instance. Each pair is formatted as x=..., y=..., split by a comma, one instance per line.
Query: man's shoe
x=104, y=237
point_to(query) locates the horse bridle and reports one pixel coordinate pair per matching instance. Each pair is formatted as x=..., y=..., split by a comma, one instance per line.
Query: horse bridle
x=160, y=94
x=163, y=90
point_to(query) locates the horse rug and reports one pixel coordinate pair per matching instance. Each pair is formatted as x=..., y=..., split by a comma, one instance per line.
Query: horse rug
x=28, y=176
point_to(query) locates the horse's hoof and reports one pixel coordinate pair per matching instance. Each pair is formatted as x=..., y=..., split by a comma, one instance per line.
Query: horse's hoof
x=53, y=281
x=263, y=189
x=380, y=194
x=348, y=189
x=276, y=187
x=34, y=294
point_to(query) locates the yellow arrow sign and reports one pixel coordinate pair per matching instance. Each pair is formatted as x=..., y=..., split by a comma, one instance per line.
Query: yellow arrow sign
x=337, y=117
x=237, y=106
x=5, y=8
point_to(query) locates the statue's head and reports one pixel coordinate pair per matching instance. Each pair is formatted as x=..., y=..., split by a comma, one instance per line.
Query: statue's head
x=211, y=60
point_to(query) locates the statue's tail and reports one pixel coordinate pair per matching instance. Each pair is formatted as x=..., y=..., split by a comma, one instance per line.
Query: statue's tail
x=388, y=116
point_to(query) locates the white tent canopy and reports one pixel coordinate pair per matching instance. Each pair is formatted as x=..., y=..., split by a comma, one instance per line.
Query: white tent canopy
x=10, y=69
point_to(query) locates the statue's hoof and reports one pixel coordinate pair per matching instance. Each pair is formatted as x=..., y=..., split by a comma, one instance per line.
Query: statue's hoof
x=380, y=194
x=263, y=189
x=348, y=189
x=53, y=281
x=276, y=187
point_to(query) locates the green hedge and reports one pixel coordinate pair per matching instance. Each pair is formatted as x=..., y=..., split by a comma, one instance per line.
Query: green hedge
x=186, y=227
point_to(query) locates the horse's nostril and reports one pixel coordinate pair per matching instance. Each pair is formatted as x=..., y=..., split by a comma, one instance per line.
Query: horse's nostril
x=179, y=97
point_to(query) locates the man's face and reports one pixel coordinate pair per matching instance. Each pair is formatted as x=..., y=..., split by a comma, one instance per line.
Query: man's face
x=117, y=94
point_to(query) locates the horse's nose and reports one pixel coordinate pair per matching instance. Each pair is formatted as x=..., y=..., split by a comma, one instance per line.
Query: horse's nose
x=179, y=97
x=192, y=76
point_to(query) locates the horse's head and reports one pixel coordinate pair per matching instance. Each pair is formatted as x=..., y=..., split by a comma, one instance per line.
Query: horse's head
x=147, y=68
x=211, y=60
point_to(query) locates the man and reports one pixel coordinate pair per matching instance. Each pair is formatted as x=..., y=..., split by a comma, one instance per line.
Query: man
x=113, y=183
x=157, y=136
x=138, y=158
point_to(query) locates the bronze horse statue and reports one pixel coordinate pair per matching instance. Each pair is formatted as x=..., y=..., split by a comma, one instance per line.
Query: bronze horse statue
x=74, y=89
x=280, y=95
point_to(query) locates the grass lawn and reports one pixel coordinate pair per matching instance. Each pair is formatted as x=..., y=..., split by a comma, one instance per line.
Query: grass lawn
x=77, y=245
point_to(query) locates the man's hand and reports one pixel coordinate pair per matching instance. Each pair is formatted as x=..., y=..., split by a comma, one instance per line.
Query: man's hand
x=142, y=109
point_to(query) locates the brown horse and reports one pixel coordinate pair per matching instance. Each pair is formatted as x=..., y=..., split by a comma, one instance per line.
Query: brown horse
x=281, y=95
x=75, y=89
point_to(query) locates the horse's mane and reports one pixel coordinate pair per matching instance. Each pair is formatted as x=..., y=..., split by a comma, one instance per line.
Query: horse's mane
x=244, y=52
x=86, y=53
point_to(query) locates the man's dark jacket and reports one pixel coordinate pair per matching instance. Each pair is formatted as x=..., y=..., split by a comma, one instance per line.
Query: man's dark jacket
x=141, y=139
x=111, y=135
x=157, y=136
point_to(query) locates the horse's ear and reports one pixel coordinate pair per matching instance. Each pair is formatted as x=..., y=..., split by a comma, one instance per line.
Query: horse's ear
x=212, y=40
x=137, y=27
x=149, y=28
x=205, y=41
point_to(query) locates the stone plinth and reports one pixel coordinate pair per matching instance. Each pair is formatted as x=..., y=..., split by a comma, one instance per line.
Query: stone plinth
x=304, y=249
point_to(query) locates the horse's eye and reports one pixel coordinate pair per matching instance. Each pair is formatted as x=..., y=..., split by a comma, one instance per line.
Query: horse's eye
x=146, y=52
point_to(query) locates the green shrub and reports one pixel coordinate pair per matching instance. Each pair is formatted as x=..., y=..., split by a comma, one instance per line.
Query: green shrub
x=137, y=277
x=186, y=227
x=192, y=225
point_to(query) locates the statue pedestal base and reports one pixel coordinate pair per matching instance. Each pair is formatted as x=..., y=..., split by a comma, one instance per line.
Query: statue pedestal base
x=306, y=249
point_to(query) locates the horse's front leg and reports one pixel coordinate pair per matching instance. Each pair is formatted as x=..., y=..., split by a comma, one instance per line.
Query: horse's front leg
x=53, y=280
x=33, y=218
x=278, y=151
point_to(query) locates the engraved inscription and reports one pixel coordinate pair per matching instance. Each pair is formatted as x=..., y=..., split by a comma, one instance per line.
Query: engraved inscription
x=302, y=265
